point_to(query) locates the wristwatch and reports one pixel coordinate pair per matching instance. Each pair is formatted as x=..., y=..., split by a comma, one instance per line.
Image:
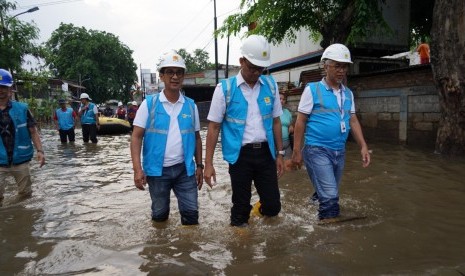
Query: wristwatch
x=200, y=166
x=281, y=152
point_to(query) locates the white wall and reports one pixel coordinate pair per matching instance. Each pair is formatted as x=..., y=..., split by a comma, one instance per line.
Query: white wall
x=301, y=46
x=286, y=50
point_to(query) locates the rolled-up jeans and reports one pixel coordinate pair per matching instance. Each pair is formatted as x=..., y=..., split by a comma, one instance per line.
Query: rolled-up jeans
x=185, y=189
x=325, y=168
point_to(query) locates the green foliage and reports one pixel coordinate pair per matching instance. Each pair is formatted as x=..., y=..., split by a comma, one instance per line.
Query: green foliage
x=197, y=62
x=17, y=38
x=106, y=64
x=33, y=84
x=344, y=21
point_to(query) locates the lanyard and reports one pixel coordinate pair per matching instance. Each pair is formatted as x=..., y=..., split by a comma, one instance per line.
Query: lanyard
x=341, y=107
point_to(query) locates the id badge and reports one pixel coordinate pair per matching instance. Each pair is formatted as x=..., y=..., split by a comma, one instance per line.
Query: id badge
x=343, y=127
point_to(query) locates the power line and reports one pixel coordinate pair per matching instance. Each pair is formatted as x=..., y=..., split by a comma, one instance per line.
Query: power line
x=208, y=25
x=58, y=2
x=187, y=24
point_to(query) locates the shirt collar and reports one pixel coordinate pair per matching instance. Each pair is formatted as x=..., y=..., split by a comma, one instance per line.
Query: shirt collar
x=323, y=81
x=240, y=80
x=163, y=98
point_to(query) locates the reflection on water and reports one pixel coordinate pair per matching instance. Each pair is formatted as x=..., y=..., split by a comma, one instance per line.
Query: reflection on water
x=87, y=218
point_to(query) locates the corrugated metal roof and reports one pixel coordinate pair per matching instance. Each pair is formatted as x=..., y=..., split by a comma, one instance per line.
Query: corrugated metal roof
x=296, y=61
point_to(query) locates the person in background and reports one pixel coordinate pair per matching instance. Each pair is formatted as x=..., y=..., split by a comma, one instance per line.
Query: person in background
x=88, y=113
x=18, y=133
x=326, y=114
x=65, y=119
x=108, y=111
x=167, y=125
x=287, y=126
x=131, y=114
x=246, y=108
x=423, y=51
x=121, y=111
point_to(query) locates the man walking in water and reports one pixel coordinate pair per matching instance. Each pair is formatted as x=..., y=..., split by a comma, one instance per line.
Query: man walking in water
x=64, y=118
x=167, y=125
x=89, y=119
x=247, y=108
x=326, y=114
x=17, y=132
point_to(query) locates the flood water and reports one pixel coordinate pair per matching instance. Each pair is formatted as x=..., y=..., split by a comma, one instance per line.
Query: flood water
x=87, y=218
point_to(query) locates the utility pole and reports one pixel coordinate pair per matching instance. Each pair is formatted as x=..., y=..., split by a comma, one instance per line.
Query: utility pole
x=226, y=73
x=216, y=45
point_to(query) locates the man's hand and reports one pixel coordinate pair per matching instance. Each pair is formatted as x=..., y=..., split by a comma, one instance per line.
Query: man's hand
x=41, y=158
x=208, y=173
x=279, y=165
x=199, y=177
x=140, y=179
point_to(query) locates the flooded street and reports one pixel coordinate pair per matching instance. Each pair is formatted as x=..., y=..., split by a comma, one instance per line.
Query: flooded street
x=87, y=218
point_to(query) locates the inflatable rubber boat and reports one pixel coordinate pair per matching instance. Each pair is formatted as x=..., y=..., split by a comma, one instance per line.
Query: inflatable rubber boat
x=110, y=125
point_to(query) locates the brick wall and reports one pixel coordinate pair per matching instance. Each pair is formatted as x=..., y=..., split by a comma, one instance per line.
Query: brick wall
x=396, y=106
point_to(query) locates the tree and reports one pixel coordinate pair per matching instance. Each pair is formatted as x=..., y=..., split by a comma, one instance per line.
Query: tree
x=448, y=63
x=197, y=62
x=333, y=21
x=17, y=38
x=106, y=64
x=348, y=21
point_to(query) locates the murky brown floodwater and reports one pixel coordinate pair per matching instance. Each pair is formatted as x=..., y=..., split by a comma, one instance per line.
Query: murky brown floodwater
x=87, y=218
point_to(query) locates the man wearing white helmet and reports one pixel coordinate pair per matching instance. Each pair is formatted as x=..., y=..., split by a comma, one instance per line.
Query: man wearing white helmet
x=88, y=112
x=167, y=125
x=132, y=111
x=17, y=134
x=246, y=108
x=121, y=111
x=326, y=114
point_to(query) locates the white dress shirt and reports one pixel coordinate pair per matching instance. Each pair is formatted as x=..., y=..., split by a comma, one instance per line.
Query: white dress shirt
x=254, y=130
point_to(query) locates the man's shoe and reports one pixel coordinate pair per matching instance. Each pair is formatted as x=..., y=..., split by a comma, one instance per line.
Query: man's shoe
x=256, y=210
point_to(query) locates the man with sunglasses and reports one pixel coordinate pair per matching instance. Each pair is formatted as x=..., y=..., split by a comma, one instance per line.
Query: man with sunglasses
x=246, y=108
x=326, y=114
x=167, y=124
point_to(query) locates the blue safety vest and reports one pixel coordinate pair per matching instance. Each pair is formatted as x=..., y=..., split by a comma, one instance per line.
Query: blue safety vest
x=88, y=117
x=233, y=126
x=23, y=150
x=65, y=118
x=324, y=122
x=156, y=135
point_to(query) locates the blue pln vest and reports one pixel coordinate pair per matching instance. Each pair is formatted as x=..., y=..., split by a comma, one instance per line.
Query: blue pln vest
x=156, y=135
x=89, y=116
x=324, y=122
x=23, y=150
x=65, y=118
x=233, y=126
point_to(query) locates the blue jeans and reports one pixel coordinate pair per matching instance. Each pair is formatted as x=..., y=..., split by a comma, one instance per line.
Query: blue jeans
x=185, y=189
x=325, y=167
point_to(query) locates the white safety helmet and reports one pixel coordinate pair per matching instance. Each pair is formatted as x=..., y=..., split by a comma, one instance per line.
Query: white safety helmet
x=256, y=49
x=171, y=59
x=337, y=52
x=120, y=104
x=85, y=96
x=134, y=103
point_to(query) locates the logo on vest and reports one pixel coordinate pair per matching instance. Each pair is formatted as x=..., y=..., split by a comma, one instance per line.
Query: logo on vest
x=184, y=116
x=267, y=100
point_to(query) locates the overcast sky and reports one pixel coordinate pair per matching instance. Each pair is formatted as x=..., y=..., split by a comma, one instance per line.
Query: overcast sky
x=148, y=27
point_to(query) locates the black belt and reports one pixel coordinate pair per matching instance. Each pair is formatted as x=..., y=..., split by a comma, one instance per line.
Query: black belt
x=256, y=145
